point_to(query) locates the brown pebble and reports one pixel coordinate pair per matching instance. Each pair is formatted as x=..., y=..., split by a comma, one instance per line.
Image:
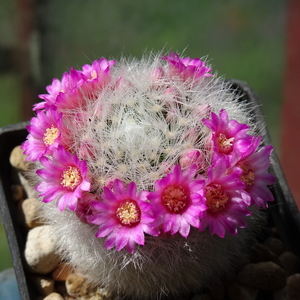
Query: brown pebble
x=263, y=275
x=239, y=291
x=290, y=262
x=31, y=213
x=104, y=294
x=43, y=285
x=18, y=192
x=18, y=160
x=61, y=272
x=275, y=245
x=77, y=285
x=54, y=296
x=259, y=253
x=293, y=287
x=280, y=294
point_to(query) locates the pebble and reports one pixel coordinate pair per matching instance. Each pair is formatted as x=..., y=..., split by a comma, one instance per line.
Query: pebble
x=43, y=285
x=275, y=245
x=18, y=160
x=290, y=262
x=263, y=275
x=18, y=192
x=280, y=294
x=259, y=253
x=29, y=214
x=239, y=291
x=54, y=296
x=40, y=250
x=293, y=287
x=103, y=294
x=61, y=272
x=77, y=285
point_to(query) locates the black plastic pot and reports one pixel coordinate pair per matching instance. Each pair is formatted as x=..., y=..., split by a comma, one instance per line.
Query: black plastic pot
x=283, y=212
x=11, y=136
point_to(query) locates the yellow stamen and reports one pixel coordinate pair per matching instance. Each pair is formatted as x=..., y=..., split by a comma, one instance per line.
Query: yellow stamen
x=225, y=145
x=128, y=213
x=71, y=178
x=248, y=176
x=175, y=198
x=216, y=198
x=94, y=75
x=50, y=135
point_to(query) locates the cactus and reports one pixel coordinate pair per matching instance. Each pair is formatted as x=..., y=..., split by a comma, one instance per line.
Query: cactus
x=150, y=171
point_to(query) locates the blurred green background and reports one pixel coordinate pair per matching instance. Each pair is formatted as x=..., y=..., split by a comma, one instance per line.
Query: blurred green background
x=242, y=39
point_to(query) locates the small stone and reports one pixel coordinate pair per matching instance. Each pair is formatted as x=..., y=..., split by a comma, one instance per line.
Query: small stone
x=102, y=294
x=77, y=285
x=275, y=245
x=40, y=250
x=263, y=275
x=61, y=272
x=18, y=192
x=18, y=160
x=54, y=296
x=31, y=213
x=43, y=285
x=239, y=291
x=259, y=253
x=290, y=262
x=293, y=287
x=280, y=294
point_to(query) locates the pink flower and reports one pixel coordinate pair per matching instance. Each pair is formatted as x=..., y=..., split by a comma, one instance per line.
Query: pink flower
x=256, y=177
x=186, y=68
x=226, y=209
x=177, y=201
x=45, y=133
x=98, y=72
x=228, y=136
x=64, y=179
x=69, y=84
x=124, y=216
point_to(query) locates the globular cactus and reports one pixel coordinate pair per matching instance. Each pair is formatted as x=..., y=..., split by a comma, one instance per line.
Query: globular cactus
x=150, y=172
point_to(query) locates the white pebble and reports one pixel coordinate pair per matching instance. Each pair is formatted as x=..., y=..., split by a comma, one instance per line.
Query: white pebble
x=40, y=250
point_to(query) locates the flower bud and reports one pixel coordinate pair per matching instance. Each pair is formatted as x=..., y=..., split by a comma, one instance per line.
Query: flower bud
x=190, y=157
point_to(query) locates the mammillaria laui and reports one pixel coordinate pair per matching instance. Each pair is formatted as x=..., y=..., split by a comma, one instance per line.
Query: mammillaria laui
x=150, y=172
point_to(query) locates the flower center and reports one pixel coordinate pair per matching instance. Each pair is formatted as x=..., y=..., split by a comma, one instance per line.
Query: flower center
x=225, y=145
x=216, y=198
x=248, y=176
x=50, y=135
x=128, y=213
x=175, y=198
x=71, y=178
